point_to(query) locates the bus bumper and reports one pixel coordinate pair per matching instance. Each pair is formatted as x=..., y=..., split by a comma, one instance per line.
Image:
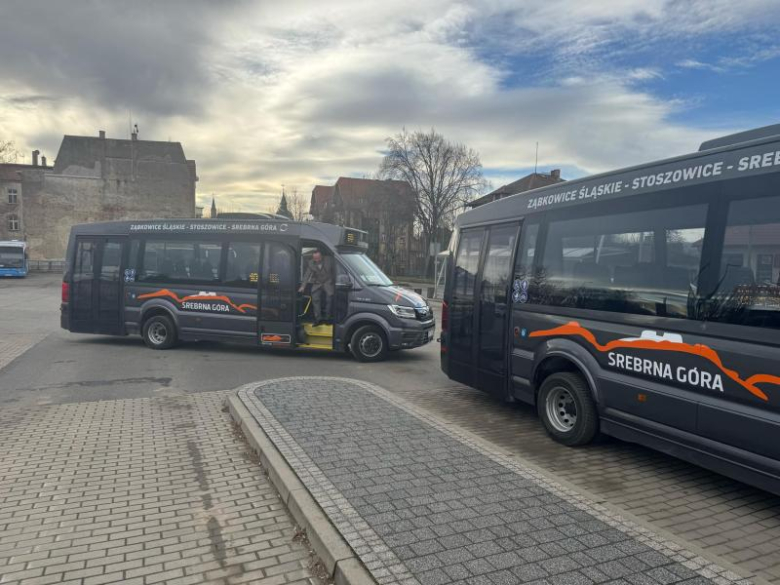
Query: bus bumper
x=64, y=318
x=409, y=338
x=14, y=272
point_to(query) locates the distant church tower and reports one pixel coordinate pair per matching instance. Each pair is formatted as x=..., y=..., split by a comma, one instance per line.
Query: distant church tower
x=213, y=209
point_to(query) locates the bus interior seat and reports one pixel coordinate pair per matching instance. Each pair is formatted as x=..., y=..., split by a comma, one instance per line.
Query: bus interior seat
x=591, y=272
x=180, y=269
x=676, y=278
x=640, y=274
x=166, y=267
x=736, y=276
x=206, y=270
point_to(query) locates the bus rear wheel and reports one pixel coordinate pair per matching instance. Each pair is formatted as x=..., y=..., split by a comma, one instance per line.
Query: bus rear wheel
x=159, y=332
x=369, y=344
x=567, y=409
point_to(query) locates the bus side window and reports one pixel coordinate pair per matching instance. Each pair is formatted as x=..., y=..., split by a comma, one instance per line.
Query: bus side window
x=175, y=261
x=84, y=261
x=467, y=263
x=525, y=256
x=644, y=262
x=243, y=264
x=749, y=285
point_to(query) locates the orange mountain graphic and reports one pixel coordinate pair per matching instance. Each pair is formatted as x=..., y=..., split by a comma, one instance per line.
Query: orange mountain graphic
x=575, y=329
x=172, y=295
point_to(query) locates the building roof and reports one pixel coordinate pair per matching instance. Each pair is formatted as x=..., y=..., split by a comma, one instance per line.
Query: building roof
x=532, y=181
x=321, y=195
x=87, y=152
x=11, y=171
x=350, y=193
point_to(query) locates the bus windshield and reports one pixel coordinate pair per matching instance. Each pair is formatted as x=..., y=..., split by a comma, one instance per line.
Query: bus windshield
x=368, y=272
x=11, y=256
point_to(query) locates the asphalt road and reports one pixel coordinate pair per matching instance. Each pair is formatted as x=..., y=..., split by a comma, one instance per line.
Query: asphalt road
x=66, y=367
x=41, y=365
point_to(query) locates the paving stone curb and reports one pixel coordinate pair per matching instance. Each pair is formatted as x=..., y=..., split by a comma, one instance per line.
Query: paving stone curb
x=683, y=551
x=341, y=562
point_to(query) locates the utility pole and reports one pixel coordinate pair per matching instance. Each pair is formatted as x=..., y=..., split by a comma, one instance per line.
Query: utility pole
x=536, y=161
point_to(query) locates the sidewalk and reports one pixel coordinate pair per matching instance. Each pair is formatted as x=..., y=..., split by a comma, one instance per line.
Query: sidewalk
x=420, y=501
x=139, y=492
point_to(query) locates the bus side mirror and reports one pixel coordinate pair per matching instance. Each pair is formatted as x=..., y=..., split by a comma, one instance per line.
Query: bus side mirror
x=344, y=282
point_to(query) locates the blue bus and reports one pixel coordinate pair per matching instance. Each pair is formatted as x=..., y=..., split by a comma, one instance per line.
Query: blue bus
x=13, y=258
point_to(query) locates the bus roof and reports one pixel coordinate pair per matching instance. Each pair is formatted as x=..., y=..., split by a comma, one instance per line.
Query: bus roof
x=751, y=153
x=332, y=234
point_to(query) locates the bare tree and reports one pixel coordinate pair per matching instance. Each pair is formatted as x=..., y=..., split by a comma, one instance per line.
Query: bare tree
x=443, y=175
x=298, y=206
x=8, y=152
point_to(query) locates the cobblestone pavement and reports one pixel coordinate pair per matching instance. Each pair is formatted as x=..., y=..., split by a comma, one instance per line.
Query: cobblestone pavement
x=724, y=517
x=138, y=492
x=12, y=346
x=423, y=502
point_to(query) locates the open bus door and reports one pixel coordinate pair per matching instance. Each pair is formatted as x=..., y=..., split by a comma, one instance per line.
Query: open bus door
x=278, y=285
x=96, y=285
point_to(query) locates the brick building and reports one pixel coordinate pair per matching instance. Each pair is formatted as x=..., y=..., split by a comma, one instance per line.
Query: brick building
x=383, y=208
x=93, y=178
x=527, y=183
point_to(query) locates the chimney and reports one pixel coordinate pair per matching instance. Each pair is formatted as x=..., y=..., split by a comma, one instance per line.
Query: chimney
x=556, y=174
x=35, y=154
x=43, y=161
x=102, y=134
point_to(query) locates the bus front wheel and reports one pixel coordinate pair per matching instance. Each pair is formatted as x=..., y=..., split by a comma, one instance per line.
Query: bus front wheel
x=567, y=409
x=369, y=344
x=159, y=332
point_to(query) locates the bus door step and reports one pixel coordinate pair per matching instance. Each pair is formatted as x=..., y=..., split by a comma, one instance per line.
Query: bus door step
x=319, y=337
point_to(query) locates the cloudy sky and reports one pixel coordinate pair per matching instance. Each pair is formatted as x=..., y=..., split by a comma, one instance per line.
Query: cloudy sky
x=300, y=92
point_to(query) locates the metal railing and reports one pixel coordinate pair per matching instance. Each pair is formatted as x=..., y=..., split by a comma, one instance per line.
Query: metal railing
x=46, y=265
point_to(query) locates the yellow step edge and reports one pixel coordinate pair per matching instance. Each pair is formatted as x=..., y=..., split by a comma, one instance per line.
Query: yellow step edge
x=316, y=346
x=321, y=330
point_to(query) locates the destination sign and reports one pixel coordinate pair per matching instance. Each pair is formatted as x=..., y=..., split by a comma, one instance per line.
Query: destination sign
x=691, y=171
x=202, y=226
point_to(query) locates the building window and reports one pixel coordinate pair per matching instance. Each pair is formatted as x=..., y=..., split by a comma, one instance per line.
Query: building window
x=13, y=223
x=13, y=196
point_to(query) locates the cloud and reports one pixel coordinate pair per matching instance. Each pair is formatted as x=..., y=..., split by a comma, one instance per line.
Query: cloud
x=696, y=64
x=126, y=55
x=297, y=93
x=746, y=59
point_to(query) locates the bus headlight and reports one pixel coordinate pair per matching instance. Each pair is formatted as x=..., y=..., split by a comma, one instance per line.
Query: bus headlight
x=403, y=312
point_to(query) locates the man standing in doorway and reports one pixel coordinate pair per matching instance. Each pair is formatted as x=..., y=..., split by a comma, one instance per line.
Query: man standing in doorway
x=319, y=273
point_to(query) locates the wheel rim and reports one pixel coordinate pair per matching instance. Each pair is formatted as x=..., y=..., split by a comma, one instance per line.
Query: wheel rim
x=371, y=345
x=158, y=333
x=561, y=410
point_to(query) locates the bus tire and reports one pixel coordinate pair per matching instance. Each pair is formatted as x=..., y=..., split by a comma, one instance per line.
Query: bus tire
x=159, y=332
x=369, y=344
x=567, y=409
